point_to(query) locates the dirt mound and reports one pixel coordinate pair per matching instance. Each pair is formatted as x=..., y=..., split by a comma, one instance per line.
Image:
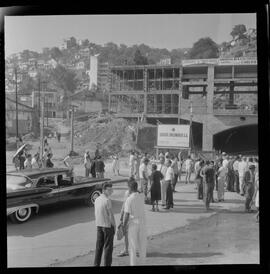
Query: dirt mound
x=114, y=135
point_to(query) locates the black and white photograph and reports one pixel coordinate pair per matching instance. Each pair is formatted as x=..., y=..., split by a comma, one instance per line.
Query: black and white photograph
x=131, y=139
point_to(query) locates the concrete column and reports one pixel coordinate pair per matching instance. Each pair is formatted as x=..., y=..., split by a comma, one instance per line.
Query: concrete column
x=163, y=104
x=210, y=89
x=207, y=137
x=145, y=90
x=155, y=103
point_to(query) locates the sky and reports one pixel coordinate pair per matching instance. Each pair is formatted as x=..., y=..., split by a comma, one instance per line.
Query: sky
x=159, y=31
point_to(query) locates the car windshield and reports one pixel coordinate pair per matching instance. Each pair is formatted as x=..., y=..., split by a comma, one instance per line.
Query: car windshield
x=17, y=182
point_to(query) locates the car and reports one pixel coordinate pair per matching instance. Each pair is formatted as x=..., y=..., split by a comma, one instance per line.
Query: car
x=28, y=190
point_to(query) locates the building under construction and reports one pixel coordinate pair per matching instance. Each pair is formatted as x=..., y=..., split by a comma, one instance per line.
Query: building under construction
x=219, y=96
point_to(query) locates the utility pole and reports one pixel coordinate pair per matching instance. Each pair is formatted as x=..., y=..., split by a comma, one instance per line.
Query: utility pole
x=42, y=131
x=47, y=111
x=16, y=99
x=190, y=126
x=179, y=108
x=72, y=128
x=39, y=89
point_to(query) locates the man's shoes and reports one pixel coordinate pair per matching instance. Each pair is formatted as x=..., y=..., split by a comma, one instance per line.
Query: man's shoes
x=122, y=254
x=153, y=209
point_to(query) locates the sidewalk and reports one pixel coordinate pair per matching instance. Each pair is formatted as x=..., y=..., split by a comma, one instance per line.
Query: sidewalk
x=187, y=210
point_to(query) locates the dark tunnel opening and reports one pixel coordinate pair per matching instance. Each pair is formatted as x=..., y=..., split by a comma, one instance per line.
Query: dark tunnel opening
x=243, y=140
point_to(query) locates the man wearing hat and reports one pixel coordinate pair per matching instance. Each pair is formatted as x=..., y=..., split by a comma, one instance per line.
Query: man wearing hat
x=249, y=186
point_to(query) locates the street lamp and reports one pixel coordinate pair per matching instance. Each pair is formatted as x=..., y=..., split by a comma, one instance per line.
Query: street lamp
x=16, y=98
x=72, y=110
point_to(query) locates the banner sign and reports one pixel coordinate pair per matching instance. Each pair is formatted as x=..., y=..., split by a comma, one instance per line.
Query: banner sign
x=199, y=62
x=173, y=136
x=238, y=61
x=221, y=61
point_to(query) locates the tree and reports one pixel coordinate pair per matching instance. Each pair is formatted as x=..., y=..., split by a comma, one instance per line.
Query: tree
x=85, y=43
x=56, y=53
x=204, y=48
x=65, y=81
x=139, y=59
x=239, y=30
x=27, y=85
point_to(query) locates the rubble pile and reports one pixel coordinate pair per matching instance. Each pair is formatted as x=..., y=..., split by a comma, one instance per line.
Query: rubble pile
x=114, y=134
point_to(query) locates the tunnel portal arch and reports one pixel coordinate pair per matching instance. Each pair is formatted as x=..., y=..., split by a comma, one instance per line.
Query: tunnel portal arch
x=237, y=140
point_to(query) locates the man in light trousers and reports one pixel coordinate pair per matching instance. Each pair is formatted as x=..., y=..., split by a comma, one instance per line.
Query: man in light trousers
x=134, y=219
x=144, y=176
x=163, y=168
x=242, y=168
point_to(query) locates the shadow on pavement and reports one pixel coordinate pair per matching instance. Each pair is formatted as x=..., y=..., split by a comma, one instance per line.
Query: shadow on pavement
x=186, y=192
x=53, y=218
x=233, y=201
x=183, y=255
x=195, y=210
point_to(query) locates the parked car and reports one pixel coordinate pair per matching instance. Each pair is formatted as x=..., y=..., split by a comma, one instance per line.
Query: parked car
x=29, y=190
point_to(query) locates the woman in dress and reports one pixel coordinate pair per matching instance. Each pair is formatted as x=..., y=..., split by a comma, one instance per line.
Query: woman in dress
x=155, y=188
x=115, y=164
x=221, y=181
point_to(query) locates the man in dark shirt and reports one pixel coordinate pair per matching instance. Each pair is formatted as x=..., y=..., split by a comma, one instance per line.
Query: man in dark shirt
x=249, y=186
x=100, y=167
x=49, y=163
x=209, y=183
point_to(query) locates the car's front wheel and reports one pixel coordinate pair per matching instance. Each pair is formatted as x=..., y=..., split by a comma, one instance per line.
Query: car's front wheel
x=92, y=197
x=21, y=215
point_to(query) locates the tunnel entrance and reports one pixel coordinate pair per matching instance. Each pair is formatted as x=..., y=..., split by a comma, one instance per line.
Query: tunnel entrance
x=238, y=140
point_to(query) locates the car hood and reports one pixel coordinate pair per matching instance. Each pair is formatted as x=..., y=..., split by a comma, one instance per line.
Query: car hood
x=84, y=180
x=27, y=192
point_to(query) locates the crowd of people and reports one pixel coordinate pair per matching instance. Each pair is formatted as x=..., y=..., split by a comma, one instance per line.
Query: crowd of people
x=225, y=174
x=23, y=160
x=153, y=181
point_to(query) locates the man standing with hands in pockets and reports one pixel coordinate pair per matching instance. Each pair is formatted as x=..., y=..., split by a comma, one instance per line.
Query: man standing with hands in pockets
x=105, y=224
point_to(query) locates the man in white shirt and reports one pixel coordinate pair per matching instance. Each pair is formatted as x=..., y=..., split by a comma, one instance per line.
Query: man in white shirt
x=135, y=220
x=132, y=164
x=105, y=224
x=162, y=168
x=143, y=173
x=87, y=163
x=68, y=161
x=242, y=168
x=188, y=164
x=225, y=163
x=196, y=168
x=27, y=162
x=197, y=165
x=125, y=251
x=35, y=161
x=169, y=176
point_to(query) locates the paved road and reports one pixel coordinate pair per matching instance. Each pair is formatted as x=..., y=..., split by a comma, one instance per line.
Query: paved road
x=60, y=234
